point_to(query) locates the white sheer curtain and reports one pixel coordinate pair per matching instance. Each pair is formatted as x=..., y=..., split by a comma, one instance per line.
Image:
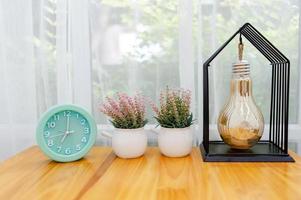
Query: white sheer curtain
x=79, y=51
x=44, y=60
x=17, y=77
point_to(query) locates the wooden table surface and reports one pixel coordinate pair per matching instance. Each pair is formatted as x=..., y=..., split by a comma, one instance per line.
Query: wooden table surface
x=100, y=175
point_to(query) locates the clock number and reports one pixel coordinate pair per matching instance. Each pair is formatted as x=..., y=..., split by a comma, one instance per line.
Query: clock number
x=46, y=134
x=83, y=121
x=59, y=148
x=51, y=124
x=68, y=151
x=56, y=117
x=50, y=143
x=77, y=115
x=78, y=147
x=67, y=113
x=84, y=139
x=86, y=130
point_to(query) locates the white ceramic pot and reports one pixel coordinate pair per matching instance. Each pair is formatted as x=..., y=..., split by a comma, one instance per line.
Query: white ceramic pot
x=128, y=143
x=175, y=142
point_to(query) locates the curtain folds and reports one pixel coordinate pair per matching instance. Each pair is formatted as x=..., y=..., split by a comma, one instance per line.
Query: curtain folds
x=80, y=51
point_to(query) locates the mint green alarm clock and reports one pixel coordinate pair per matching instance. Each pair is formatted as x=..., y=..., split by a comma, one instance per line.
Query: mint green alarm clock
x=66, y=133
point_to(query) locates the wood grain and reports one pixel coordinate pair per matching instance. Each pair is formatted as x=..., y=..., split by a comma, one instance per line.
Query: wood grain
x=30, y=175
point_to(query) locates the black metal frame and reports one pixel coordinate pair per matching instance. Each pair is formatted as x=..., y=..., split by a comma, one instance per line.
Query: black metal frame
x=276, y=148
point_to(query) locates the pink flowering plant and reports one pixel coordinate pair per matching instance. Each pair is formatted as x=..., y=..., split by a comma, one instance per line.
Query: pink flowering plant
x=125, y=112
x=174, y=109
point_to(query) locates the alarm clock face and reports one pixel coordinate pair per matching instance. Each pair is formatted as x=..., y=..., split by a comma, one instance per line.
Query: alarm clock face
x=66, y=133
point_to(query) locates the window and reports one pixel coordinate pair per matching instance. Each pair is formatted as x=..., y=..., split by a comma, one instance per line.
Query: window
x=81, y=51
x=135, y=47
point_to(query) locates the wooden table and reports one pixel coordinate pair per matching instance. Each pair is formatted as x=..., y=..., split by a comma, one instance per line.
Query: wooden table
x=31, y=175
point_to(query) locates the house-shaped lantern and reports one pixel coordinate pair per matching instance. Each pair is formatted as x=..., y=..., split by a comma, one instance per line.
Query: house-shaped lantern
x=275, y=149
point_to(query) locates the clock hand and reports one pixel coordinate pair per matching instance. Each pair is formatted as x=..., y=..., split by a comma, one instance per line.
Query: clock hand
x=65, y=135
x=63, y=138
x=61, y=134
x=68, y=124
x=56, y=135
x=61, y=131
x=67, y=129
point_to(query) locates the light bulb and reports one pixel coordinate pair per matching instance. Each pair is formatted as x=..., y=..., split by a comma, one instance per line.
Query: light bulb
x=240, y=123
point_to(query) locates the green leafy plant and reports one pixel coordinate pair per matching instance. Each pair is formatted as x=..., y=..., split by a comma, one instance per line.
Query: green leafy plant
x=125, y=112
x=174, y=109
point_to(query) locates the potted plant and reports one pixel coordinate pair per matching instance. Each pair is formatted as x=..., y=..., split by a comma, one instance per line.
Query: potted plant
x=127, y=114
x=173, y=115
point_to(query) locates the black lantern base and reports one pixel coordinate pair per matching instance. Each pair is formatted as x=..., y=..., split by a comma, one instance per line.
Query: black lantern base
x=263, y=151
